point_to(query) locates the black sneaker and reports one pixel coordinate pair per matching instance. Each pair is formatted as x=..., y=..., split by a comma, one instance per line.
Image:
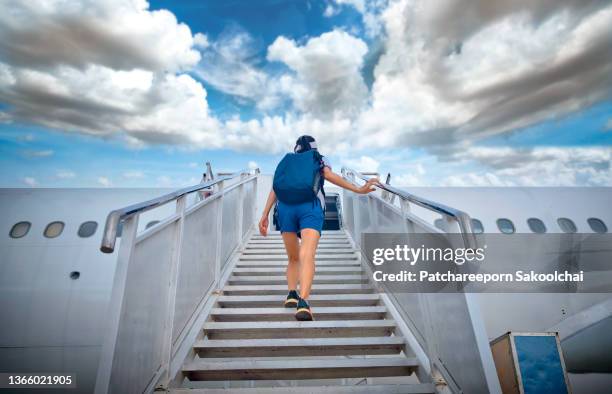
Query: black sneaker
x=292, y=299
x=303, y=312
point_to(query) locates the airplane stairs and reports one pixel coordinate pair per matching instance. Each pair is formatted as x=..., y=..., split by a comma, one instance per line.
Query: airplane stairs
x=197, y=303
x=250, y=343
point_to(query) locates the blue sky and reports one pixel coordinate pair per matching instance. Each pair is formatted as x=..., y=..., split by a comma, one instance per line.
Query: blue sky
x=235, y=82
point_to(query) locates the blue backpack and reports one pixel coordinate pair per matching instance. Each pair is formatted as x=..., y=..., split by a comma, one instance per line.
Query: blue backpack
x=297, y=178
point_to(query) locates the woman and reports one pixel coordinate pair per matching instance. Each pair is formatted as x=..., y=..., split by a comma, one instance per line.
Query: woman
x=307, y=220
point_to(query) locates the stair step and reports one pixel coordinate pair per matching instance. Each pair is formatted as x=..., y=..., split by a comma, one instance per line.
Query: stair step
x=316, y=300
x=283, y=257
x=287, y=314
x=279, y=240
x=277, y=234
x=290, y=347
x=299, y=369
x=329, y=238
x=327, y=232
x=299, y=329
x=322, y=252
x=282, y=289
x=279, y=280
x=335, y=241
x=249, y=335
x=281, y=271
x=418, y=388
x=280, y=245
x=283, y=263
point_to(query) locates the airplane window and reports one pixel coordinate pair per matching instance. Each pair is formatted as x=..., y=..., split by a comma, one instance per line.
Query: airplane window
x=536, y=225
x=87, y=229
x=505, y=226
x=439, y=223
x=566, y=225
x=151, y=223
x=54, y=229
x=20, y=229
x=477, y=227
x=597, y=225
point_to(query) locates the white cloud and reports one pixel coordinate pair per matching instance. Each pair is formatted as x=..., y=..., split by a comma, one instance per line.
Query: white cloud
x=409, y=174
x=117, y=34
x=173, y=181
x=330, y=11
x=201, y=41
x=164, y=108
x=541, y=166
x=104, y=181
x=26, y=138
x=363, y=164
x=229, y=64
x=475, y=179
x=359, y=5
x=447, y=77
x=133, y=174
x=327, y=68
x=104, y=68
x=406, y=180
x=38, y=153
x=65, y=174
x=5, y=117
x=30, y=181
x=369, y=9
x=278, y=134
x=165, y=181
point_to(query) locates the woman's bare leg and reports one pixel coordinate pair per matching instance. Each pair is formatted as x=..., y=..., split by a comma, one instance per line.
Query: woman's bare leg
x=292, y=246
x=307, y=251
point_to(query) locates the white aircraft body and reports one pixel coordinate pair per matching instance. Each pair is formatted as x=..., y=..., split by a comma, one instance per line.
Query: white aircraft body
x=55, y=284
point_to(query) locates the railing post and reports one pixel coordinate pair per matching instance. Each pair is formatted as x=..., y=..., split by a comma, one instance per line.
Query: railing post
x=430, y=329
x=405, y=208
x=356, y=220
x=372, y=214
x=126, y=250
x=350, y=198
x=172, y=288
x=240, y=212
x=385, y=195
x=219, y=232
x=255, y=195
x=391, y=195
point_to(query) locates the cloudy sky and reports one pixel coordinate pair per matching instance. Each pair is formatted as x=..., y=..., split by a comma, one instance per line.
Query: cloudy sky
x=118, y=93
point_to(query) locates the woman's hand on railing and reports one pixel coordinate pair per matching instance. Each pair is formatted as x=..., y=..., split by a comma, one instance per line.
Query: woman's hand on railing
x=369, y=186
x=263, y=225
x=348, y=185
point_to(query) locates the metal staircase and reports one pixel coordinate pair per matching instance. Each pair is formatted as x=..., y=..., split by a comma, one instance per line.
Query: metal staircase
x=197, y=302
x=250, y=336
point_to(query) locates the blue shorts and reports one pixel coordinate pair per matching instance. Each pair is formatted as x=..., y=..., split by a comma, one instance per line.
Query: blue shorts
x=292, y=218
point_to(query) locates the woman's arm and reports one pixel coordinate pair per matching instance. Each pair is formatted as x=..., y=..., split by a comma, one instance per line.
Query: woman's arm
x=339, y=181
x=264, y=221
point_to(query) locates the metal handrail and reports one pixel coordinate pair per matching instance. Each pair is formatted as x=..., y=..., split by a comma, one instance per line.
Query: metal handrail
x=462, y=218
x=115, y=217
